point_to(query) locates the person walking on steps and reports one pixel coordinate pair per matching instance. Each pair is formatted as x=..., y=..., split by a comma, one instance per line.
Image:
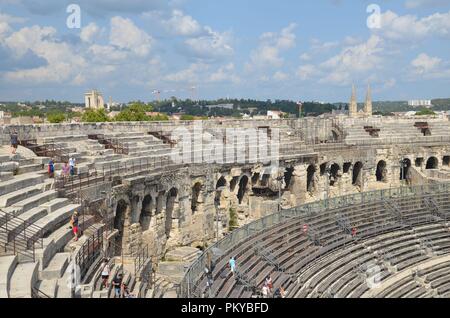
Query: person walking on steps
x=105, y=273
x=74, y=224
x=14, y=142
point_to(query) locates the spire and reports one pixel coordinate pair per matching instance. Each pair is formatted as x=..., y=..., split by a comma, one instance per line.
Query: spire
x=353, y=107
x=368, y=104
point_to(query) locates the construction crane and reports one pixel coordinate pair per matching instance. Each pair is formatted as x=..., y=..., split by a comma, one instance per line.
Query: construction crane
x=158, y=94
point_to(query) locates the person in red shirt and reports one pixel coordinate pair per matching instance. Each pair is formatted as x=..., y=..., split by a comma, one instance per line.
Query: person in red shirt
x=354, y=232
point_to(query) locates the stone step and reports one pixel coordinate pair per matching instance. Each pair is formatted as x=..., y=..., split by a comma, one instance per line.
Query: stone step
x=52, y=221
x=48, y=287
x=16, y=196
x=36, y=200
x=30, y=217
x=56, y=267
x=10, y=166
x=30, y=168
x=55, y=204
x=20, y=182
x=7, y=266
x=23, y=279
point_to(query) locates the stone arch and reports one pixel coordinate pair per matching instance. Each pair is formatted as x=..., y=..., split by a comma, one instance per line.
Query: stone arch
x=233, y=183
x=243, y=183
x=357, y=174
x=311, y=184
x=148, y=204
x=446, y=161
x=335, y=135
x=196, y=196
x=405, y=169
x=170, y=206
x=122, y=212
x=381, y=173
x=334, y=173
x=220, y=186
x=432, y=163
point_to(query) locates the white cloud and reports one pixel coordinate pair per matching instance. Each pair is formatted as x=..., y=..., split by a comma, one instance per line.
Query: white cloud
x=423, y=63
x=411, y=28
x=305, y=72
x=353, y=61
x=280, y=76
x=63, y=64
x=211, y=45
x=270, y=47
x=225, y=74
x=305, y=57
x=188, y=75
x=317, y=45
x=413, y=4
x=126, y=35
x=181, y=24
x=89, y=32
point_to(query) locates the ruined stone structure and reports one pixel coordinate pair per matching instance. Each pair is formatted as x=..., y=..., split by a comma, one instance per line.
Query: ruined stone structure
x=128, y=178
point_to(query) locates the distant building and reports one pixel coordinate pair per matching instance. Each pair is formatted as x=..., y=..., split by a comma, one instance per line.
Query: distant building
x=420, y=103
x=222, y=106
x=5, y=118
x=94, y=99
x=274, y=114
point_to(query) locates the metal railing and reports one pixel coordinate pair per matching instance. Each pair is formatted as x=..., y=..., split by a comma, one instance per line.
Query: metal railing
x=90, y=251
x=141, y=258
x=189, y=284
x=20, y=237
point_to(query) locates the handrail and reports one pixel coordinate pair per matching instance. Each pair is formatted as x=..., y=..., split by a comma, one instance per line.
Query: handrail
x=20, y=244
x=37, y=293
x=194, y=273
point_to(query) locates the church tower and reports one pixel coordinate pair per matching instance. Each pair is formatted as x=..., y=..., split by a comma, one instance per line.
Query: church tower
x=368, y=103
x=353, y=107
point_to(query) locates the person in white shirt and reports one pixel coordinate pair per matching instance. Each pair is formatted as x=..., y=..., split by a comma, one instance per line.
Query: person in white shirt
x=105, y=273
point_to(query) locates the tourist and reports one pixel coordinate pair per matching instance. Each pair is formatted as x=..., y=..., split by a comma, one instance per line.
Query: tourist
x=72, y=166
x=232, y=264
x=265, y=291
x=269, y=283
x=117, y=283
x=65, y=170
x=14, y=142
x=305, y=229
x=277, y=293
x=51, y=168
x=354, y=232
x=74, y=224
x=282, y=292
x=105, y=273
x=126, y=292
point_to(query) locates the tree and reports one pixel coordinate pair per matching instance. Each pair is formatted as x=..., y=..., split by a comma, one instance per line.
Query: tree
x=425, y=112
x=56, y=118
x=95, y=116
x=136, y=111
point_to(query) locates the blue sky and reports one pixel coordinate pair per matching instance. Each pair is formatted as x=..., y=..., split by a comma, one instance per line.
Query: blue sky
x=263, y=49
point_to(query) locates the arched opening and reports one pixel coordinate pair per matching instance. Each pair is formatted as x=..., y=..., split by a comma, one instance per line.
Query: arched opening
x=323, y=168
x=310, y=179
x=357, y=174
x=146, y=212
x=426, y=132
x=446, y=161
x=334, y=173
x=220, y=186
x=405, y=169
x=233, y=183
x=432, y=163
x=242, y=188
x=196, y=189
x=255, y=178
x=419, y=162
x=381, y=171
x=288, y=180
x=119, y=223
x=170, y=203
x=347, y=167
x=334, y=135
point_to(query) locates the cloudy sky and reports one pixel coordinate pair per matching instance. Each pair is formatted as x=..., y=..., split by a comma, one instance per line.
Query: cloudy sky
x=300, y=50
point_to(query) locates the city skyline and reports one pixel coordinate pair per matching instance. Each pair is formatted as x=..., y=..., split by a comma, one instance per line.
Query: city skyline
x=236, y=49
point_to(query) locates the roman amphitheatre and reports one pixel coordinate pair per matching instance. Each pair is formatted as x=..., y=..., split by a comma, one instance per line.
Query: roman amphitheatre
x=372, y=192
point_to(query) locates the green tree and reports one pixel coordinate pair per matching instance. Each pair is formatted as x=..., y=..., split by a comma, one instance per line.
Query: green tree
x=136, y=111
x=95, y=116
x=56, y=118
x=425, y=112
